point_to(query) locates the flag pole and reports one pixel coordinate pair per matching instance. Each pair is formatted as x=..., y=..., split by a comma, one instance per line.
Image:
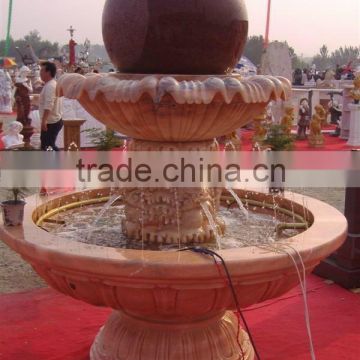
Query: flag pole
x=7, y=42
x=267, y=31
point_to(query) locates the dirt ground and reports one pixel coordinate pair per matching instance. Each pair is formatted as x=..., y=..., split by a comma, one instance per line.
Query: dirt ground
x=16, y=275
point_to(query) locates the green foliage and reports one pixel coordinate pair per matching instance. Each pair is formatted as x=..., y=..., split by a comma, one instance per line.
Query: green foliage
x=277, y=139
x=254, y=49
x=42, y=48
x=342, y=56
x=17, y=194
x=103, y=139
x=322, y=59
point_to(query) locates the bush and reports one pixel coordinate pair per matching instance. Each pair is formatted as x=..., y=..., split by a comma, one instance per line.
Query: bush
x=103, y=139
x=277, y=139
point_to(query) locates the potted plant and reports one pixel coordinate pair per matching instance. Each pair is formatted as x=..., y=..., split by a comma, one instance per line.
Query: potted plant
x=13, y=209
x=103, y=139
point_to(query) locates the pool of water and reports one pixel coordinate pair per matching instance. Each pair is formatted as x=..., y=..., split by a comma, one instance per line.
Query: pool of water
x=241, y=231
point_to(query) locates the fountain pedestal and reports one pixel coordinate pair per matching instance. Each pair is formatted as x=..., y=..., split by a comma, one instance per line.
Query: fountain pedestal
x=212, y=337
x=172, y=215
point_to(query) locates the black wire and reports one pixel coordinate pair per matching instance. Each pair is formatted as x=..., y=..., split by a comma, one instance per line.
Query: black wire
x=214, y=255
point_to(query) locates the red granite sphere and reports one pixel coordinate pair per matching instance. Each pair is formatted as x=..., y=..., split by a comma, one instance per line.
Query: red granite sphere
x=175, y=36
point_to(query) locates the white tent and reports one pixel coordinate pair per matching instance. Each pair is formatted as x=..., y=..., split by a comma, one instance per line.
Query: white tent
x=245, y=67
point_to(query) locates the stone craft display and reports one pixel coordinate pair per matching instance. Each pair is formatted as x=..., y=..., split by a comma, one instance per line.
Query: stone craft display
x=355, y=93
x=304, y=119
x=5, y=92
x=23, y=103
x=260, y=129
x=13, y=139
x=316, y=138
x=288, y=119
x=172, y=304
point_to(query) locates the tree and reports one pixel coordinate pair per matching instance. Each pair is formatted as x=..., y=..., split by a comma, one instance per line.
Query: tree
x=42, y=48
x=344, y=56
x=296, y=61
x=254, y=49
x=322, y=59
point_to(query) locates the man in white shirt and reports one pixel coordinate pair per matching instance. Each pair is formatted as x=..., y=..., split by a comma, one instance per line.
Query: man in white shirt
x=49, y=107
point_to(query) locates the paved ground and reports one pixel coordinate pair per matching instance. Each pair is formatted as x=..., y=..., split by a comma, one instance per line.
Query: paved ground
x=16, y=275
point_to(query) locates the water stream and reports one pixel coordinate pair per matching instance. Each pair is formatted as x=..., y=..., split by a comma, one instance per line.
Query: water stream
x=100, y=215
x=239, y=202
x=212, y=224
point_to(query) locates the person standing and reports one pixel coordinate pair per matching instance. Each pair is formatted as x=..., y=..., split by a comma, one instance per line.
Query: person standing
x=49, y=107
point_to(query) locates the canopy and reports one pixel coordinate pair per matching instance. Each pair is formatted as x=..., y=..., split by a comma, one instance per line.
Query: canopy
x=7, y=62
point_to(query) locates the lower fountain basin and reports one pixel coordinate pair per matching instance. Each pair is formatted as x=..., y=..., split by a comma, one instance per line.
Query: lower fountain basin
x=171, y=284
x=171, y=305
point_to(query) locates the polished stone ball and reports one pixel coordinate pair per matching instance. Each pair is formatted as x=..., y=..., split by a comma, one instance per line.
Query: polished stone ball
x=175, y=36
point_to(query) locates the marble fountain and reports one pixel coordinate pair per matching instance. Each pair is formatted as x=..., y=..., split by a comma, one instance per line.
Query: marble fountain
x=172, y=305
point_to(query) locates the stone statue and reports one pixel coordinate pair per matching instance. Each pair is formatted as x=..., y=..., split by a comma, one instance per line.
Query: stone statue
x=23, y=103
x=304, y=119
x=276, y=60
x=316, y=138
x=232, y=142
x=288, y=119
x=13, y=139
x=355, y=93
x=260, y=129
x=36, y=81
x=328, y=82
x=5, y=92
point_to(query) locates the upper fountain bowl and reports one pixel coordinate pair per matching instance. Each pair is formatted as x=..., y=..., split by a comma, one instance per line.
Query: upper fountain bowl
x=175, y=37
x=173, y=107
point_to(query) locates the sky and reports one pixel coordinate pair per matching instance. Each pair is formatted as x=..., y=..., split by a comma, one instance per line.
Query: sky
x=305, y=24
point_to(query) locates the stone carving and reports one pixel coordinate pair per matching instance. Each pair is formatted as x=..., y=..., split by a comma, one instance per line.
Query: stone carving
x=170, y=109
x=260, y=129
x=171, y=305
x=276, y=60
x=155, y=215
x=149, y=341
x=5, y=92
x=23, y=103
x=355, y=93
x=304, y=119
x=316, y=138
x=13, y=139
x=328, y=82
x=288, y=119
x=232, y=142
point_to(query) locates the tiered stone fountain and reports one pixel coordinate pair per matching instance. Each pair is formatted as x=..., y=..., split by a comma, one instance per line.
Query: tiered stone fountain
x=172, y=305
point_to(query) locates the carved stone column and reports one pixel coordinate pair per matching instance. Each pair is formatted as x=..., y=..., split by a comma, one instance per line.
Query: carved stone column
x=171, y=215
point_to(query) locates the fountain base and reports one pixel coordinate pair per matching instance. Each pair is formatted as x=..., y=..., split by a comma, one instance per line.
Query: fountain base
x=126, y=337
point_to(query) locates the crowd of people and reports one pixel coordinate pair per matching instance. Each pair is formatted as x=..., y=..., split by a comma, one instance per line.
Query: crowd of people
x=305, y=76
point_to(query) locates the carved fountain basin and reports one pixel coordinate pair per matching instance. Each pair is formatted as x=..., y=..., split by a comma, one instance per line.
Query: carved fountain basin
x=172, y=303
x=162, y=284
x=173, y=107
